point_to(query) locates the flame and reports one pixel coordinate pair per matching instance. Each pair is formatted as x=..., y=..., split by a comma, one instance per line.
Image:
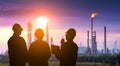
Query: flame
x=93, y=15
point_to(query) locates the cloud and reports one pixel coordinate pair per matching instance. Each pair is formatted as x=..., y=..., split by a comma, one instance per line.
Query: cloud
x=53, y=7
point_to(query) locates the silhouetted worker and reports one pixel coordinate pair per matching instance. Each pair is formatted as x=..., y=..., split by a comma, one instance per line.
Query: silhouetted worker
x=39, y=51
x=17, y=49
x=68, y=52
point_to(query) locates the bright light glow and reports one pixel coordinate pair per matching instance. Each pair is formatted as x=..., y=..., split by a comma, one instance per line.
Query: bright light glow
x=93, y=15
x=41, y=22
x=5, y=34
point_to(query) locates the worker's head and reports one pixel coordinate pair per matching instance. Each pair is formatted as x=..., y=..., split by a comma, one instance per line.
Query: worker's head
x=39, y=34
x=17, y=29
x=70, y=34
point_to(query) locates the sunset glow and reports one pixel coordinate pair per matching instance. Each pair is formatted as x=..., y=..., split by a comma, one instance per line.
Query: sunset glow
x=59, y=16
x=41, y=22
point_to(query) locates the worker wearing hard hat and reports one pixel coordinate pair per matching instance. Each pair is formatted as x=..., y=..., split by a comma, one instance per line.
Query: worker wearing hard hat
x=68, y=52
x=17, y=49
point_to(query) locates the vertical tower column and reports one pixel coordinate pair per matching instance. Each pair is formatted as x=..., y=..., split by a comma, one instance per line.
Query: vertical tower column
x=92, y=47
x=105, y=40
x=29, y=25
x=88, y=39
x=92, y=41
x=47, y=33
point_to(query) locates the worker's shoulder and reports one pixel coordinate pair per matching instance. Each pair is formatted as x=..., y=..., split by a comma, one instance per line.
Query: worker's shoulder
x=44, y=42
x=75, y=45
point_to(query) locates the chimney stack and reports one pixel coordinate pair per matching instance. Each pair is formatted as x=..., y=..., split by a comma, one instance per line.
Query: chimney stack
x=105, y=40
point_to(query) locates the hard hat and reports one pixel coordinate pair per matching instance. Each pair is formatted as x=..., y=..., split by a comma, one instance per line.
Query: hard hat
x=71, y=31
x=17, y=27
x=39, y=31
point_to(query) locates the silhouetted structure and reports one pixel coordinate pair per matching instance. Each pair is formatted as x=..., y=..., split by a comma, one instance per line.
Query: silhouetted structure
x=94, y=44
x=105, y=50
x=93, y=36
x=68, y=52
x=39, y=51
x=51, y=40
x=29, y=33
x=47, y=33
x=88, y=51
x=17, y=47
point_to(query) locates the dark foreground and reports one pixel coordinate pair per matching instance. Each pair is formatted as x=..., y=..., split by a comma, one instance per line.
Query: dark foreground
x=78, y=64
